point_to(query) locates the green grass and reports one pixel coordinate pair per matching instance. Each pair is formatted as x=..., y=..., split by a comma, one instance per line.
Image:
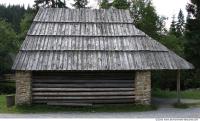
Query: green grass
x=45, y=108
x=189, y=94
x=181, y=105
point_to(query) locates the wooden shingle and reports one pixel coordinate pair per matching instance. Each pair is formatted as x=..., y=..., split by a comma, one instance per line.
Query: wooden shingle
x=90, y=39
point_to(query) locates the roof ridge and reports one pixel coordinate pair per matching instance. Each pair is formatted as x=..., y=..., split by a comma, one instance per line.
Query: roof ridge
x=90, y=35
x=96, y=50
x=89, y=22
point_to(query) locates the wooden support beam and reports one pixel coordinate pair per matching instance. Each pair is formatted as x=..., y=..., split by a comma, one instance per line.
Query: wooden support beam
x=68, y=104
x=178, y=86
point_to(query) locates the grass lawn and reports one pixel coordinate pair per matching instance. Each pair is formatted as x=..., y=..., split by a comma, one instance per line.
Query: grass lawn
x=189, y=94
x=181, y=105
x=45, y=108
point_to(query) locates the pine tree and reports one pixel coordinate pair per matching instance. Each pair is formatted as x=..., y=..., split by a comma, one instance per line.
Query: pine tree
x=50, y=3
x=172, y=29
x=121, y=4
x=8, y=46
x=12, y=14
x=61, y=4
x=146, y=19
x=105, y=4
x=192, y=34
x=180, y=24
x=80, y=3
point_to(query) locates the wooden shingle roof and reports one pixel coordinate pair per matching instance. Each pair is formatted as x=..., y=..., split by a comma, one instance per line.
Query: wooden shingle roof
x=91, y=39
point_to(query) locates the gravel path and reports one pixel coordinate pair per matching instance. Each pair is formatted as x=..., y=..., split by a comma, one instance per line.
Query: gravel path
x=165, y=111
x=161, y=113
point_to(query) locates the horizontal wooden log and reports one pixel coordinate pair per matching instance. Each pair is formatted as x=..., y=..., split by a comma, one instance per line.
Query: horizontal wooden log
x=83, y=98
x=81, y=93
x=68, y=104
x=86, y=77
x=106, y=75
x=81, y=85
x=80, y=81
x=99, y=101
x=82, y=89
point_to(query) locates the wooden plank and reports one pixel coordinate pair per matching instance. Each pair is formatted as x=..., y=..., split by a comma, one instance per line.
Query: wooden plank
x=178, y=86
x=68, y=104
x=82, y=89
x=82, y=93
x=108, y=101
x=81, y=85
x=84, y=75
x=79, y=81
x=83, y=98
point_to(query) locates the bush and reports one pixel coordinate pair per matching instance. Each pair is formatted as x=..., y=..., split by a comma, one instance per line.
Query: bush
x=180, y=105
x=166, y=80
x=7, y=88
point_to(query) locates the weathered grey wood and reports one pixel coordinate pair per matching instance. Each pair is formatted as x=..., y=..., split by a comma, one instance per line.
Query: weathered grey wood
x=86, y=39
x=68, y=104
x=108, y=101
x=82, y=93
x=83, y=98
x=82, y=89
x=82, y=85
x=178, y=86
x=139, y=60
x=64, y=81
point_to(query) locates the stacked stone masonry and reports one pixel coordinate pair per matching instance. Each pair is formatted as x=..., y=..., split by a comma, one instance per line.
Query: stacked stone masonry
x=23, y=88
x=143, y=87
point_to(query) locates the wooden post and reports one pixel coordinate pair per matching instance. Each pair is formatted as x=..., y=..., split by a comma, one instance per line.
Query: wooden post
x=178, y=86
x=10, y=100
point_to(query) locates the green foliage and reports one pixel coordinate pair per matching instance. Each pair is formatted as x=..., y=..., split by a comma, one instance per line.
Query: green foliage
x=50, y=3
x=105, y=4
x=80, y=3
x=192, y=35
x=12, y=14
x=26, y=22
x=192, y=45
x=25, y=25
x=12, y=33
x=121, y=4
x=193, y=9
x=172, y=29
x=173, y=43
x=7, y=87
x=180, y=24
x=164, y=80
x=177, y=28
x=146, y=19
x=187, y=94
x=8, y=46
x=181, y=105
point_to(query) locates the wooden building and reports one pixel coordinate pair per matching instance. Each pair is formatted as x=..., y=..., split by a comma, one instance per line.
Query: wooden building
x=88, y=56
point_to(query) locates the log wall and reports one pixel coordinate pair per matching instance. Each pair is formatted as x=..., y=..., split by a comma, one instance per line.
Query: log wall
x=83, y=87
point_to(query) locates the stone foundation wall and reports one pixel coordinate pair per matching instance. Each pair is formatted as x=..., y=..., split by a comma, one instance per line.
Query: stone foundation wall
x=143, y=87
x=23, y=88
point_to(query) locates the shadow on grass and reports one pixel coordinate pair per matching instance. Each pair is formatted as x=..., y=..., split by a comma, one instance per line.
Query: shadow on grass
x=181, y=105
x=96, y=108
x=99, y=108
